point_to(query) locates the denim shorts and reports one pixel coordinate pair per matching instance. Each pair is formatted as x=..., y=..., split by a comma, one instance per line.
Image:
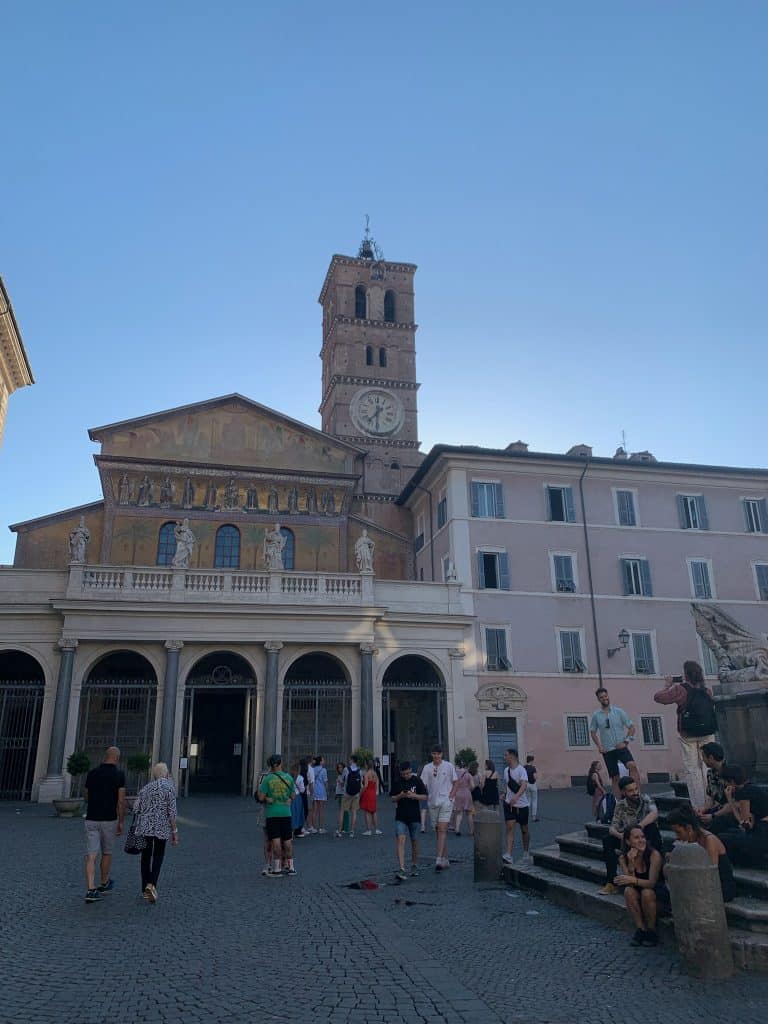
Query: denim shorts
x=405, y=828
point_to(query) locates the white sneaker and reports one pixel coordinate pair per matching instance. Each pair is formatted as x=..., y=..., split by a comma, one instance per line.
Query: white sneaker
x=379, y=832
x=322, y=831
x=526, y=859
x=367, y=832
x=351, y=835
x=446, y=862
x=507, y=858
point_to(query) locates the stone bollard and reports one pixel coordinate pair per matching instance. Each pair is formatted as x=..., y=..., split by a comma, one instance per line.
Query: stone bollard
x=487, y=845
x=698, y=910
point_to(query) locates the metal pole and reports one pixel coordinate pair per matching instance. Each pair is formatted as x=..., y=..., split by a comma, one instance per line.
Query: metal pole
x=589, y=571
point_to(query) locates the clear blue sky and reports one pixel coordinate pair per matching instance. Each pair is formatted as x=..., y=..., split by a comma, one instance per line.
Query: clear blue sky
x=583, y=187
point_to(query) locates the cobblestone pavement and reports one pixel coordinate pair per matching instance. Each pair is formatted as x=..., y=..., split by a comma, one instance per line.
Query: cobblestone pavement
x=224, y=944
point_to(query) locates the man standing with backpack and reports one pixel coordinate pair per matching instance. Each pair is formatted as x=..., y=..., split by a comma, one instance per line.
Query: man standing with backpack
x=696, y=724
x=351, y=779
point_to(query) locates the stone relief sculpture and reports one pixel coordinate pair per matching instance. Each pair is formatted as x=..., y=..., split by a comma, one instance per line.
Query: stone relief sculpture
x=78, y=542
x=450, y=572
x=312, y=501
x=272, y=501
x=274, y=542
x=188, y=497
x=210, y=495
x=742, y=657
x=293, y=501
x=231, y=494
x=145, y=491
x=166, y=491
x=252, y=498
x=364, y=548
x=185, y=543
x=124, y=493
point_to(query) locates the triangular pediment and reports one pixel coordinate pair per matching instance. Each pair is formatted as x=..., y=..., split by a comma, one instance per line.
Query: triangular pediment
x=229, y=431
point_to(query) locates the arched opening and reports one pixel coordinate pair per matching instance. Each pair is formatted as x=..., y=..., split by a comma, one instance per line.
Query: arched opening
x=219, y=725
x=369, y=355
x=227, y=551
x=22, y=684
x=389, y=307
x=166, y=544
x=382, y=357
x=289, y=551
x=117, y=709
x=317, y=710
x=361, y=303
x=414, y=711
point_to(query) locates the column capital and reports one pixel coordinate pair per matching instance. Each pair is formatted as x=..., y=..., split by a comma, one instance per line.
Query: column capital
x=273, y=645
x=67, y=643
x=174, y=645
x=368, y=648
x=456, y=652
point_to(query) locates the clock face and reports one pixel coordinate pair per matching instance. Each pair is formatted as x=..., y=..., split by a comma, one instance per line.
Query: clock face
x=377, y=412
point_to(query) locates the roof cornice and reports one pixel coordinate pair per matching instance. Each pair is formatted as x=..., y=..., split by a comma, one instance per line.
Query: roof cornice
x=15, y=357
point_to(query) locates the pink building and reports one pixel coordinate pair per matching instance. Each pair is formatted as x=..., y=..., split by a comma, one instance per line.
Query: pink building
x=511, y=524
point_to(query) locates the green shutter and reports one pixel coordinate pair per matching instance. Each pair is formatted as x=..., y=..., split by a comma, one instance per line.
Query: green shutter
x=503, y=565
x=645, y=578
x=570, y=508
x=480, y=571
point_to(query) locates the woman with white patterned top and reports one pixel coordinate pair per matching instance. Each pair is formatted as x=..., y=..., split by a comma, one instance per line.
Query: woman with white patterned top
x=155, y=817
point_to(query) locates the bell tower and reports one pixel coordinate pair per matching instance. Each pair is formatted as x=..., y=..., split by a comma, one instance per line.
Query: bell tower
x=369, y=364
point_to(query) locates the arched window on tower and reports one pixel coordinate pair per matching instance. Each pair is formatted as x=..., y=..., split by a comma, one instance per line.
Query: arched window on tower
x=389, y=307
x=166, y=544
x=289, y=551
x=360, y=303
x=382, y=357
x=227, y=551
x=369, y=355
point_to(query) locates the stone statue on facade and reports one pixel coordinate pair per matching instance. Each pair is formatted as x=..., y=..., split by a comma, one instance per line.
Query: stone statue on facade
x=78, y=542
x=252, y=497
x=210, y=495
x=124, y=492
x=188, y=497
x=273, y=501
x=231, y=494
x=451, y=575
x=364, y=548
x=166, y=491
x=185, y=543
x=274, y=542
x=293, y=501
x=328, y=503
x=145, y=491
x=312, y=501
x=741, y=656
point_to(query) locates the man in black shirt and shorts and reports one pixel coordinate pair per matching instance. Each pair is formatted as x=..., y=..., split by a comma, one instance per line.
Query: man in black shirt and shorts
x=408, y=793
x=104, y=819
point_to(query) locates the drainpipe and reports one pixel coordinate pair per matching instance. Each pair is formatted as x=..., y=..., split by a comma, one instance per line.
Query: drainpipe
x=589, y=570
x=431, y=530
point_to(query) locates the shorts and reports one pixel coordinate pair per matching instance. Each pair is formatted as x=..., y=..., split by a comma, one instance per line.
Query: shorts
x=612, y=758
x=100, y=836
x=350, y=803
x=518, y=814
x=406, y=828
x=440, y=814
x=279, y=828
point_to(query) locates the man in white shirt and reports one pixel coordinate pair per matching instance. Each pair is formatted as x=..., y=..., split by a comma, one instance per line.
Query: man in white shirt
x=516, y=805
x=438, y=777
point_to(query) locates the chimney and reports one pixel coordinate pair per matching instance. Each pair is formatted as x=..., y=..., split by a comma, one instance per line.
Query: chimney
x=517, y=446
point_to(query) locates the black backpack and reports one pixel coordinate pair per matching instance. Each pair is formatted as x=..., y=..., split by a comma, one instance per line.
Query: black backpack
x=353, y=784
x=698, y=716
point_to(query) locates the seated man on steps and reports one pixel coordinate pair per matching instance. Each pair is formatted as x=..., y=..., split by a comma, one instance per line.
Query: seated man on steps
x=634, y=808
x=715, y=813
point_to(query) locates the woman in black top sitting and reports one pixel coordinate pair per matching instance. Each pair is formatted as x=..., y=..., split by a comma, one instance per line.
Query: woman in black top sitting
x=749, y=805
x=686, y=825
x=640, y=876
x=488, y=793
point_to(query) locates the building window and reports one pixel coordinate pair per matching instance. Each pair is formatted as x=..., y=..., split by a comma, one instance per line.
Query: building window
x=382, y=357
x=701, y=585
x=756, y=514
x=761, y=575
x=496, y=650
x=560, y=506
x=369, y=355
x=289, y=551
x=360, y=302
x=418, y=541
x=389, y=307
x=442, y=512
x=625, y=508
x=562, y=570
x=577, y=727
x=636, y=577
x=653, y=730
x=708, y=662
x=487, y=500
x=693, y=512
x=166, y=544
x=227, y=551
x=570, y=651
x=643, y=662
x=492, y=570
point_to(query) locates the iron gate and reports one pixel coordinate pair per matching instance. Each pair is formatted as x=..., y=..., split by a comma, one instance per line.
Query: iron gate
x=317, y=719
x=21, y=705
x=117, y=713
x=189, y=751
x=414, y=714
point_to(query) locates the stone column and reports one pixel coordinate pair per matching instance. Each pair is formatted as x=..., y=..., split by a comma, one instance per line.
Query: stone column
x=52, y=786
x=366, y=695
x=170, y=693
x=273, y=648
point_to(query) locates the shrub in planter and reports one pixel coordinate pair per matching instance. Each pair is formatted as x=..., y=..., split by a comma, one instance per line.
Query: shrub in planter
x=467, y=756
x=363, y=754
x=78, y=763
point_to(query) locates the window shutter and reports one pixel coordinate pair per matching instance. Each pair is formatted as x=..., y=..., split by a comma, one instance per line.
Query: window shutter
x=492, y=646
x=566, y=651
x=503, y=564
x=748, y=524
x=701, y=506
x=549, y=504
x=763, y=506
x=480, y=571
x=762, y=581
x=570, y=508
x=576, y=646
x=643, y=653
x=475, y=500
x=682, y=511
x=626, y=575
x=626, y=504
x=498, y=501
x=645, y=576
x=501, y=645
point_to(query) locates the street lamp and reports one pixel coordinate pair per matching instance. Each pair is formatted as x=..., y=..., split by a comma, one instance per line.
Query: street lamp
x=623, y=639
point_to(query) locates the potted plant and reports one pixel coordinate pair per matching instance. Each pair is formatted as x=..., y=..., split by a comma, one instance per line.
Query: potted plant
x=137, y=764
x=78, y=763
x=362, y=755
x=467, y=756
